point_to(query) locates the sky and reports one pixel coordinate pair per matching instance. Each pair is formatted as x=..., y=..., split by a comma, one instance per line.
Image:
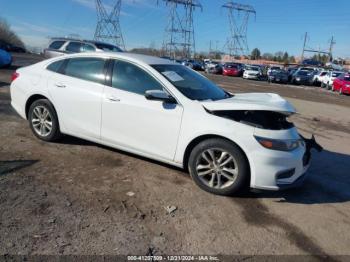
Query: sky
x=279, y=25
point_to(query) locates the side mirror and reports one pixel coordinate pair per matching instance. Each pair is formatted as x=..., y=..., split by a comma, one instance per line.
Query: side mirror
x=159, y=95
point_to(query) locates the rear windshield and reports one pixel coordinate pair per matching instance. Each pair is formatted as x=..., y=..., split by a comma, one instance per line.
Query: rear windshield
x=347, y=78
x=108, y=48
x=336, y=74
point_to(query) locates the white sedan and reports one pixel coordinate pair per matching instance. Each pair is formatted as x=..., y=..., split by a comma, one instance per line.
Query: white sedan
x=252, y=72
x=164, y=111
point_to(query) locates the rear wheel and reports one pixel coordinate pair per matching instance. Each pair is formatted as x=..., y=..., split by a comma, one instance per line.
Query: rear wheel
x=43, y=120
x=218, y=166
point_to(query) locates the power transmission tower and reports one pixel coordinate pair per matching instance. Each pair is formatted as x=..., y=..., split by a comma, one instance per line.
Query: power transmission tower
x=179, y=33
x=238, y=15
x=108, y=26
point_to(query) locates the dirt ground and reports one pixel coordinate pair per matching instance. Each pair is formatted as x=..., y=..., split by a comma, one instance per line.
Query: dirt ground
x=76, y=197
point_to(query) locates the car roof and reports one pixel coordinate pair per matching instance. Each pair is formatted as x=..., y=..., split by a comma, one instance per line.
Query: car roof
x=146, y=59
x=79, y=40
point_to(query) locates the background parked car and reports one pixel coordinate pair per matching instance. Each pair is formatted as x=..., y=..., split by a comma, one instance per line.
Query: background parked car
x=11, y=48
x=342, y=84
x=62, y=46
x=273, y=68
x=213, y=68
x=5, y=58
x=328, y=79
x=232, y=69
x=318, y=78
x=302, y=77
x=193, y=64
x=252, y=72
x=278, y=76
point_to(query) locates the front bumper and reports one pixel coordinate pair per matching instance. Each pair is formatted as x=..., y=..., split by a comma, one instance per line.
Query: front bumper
x=256, y=77
x=277, y=170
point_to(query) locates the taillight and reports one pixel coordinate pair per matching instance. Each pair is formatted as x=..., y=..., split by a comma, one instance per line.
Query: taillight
x=14, y=76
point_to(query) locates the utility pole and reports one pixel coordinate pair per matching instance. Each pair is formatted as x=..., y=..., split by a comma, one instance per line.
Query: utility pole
x=318, y=51
x=331, y=49
x=304, y=46
x=108, y=26
x=179, y=33
x=238, y=15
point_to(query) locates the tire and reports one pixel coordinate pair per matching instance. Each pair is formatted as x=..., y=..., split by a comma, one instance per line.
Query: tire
x=322, y=85
x=232, y=181
x=332, y=88
x=40, y=125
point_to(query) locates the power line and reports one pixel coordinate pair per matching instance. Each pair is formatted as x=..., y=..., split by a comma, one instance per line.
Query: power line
x=108, y=26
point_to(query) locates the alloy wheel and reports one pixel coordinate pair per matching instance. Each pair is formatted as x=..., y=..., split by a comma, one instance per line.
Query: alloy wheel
x=41, y=121
x=217, y=168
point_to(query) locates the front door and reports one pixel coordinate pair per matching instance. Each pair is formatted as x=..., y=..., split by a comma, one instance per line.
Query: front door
x=131, y=121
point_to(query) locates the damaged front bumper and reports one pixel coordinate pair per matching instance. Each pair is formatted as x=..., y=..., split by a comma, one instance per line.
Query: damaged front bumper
x=309, y=145
x=278, y=170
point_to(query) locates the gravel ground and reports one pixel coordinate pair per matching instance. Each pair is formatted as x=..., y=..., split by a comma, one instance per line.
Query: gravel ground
x=76, y=197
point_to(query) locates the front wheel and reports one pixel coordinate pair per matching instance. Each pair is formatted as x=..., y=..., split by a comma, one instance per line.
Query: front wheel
x=219, y=166
x=43, y=120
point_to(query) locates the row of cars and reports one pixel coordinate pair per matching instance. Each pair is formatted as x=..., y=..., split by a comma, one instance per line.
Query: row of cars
x=329, y=79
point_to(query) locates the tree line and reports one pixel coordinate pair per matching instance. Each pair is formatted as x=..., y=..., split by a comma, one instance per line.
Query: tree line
x=8, y=36
x=281, y=57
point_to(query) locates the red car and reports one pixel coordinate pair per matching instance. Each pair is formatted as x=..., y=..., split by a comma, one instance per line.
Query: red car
x=232, y=70
x=342, y=84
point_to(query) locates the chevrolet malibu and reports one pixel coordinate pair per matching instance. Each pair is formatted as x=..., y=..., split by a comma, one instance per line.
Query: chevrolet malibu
x=164, y=111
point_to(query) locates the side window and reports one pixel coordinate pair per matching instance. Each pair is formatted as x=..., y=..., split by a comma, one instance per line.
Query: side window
x=131, y=78
x=87, y=48
x=87, y=68
x=56, y=45
x=55, y=66
x=74, y=47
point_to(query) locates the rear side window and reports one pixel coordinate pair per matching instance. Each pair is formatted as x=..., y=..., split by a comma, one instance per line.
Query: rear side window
x=131, y=78
x=74, y=47
x=56, y=44
x=89, y=68
x=55, y=66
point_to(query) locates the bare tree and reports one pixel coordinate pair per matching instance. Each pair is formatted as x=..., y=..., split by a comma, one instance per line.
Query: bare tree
x=8, y=36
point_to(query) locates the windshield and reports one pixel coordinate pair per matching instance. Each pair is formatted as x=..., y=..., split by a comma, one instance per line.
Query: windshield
x=190, y=83
x=252, y=68
x=347, y=78
x=231, y=66
x=336, y=74
x=303, y=73
x=107, y=47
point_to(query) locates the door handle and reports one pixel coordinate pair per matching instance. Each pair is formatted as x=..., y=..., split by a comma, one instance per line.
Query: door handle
x=60, y=85
x=113, y=99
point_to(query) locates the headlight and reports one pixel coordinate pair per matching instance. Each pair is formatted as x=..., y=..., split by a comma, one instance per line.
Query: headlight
x=277, y=144
x=347, y=85
x=298, y=78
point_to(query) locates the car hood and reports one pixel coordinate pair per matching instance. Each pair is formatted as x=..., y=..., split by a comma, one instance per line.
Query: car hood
x=252, y=101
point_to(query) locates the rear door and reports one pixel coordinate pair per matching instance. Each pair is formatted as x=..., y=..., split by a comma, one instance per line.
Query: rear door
x=76, y=92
